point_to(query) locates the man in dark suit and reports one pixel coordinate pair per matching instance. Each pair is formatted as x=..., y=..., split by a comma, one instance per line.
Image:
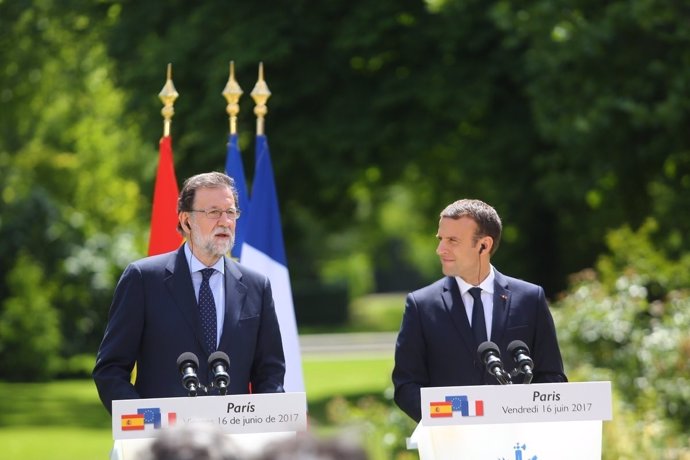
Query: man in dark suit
x=194, y=299
x=441, y=330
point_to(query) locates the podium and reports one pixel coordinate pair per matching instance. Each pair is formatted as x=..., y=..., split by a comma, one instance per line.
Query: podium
x=251, y=420
x=560, y=421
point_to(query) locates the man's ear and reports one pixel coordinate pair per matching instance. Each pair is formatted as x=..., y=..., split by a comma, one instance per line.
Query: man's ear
x=486, y=244
x=183, y=218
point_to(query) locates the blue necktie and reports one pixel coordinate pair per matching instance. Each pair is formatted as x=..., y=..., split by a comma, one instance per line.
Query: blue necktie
x=478, y=321
x=207, y=309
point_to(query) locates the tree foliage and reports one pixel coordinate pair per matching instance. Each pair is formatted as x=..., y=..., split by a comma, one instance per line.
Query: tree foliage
x=70, y=184
x=29, y=325
x=567, y=116
x=627, y=321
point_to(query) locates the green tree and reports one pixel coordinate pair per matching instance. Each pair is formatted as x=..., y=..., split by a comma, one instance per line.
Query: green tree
x=626, y=322
x=367, y=99
x=544, y=109
x=607, y=84
x=567, y=116
x=29, y=325
x=71, y=168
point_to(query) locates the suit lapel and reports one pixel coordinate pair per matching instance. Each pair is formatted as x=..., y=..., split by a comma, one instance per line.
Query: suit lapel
x=179, y=282
x=452, y=301
x=235, y=296
x=501, y=307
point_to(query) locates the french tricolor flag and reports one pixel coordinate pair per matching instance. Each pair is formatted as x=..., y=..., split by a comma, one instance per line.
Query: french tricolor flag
x=264, y=251
x=474, y=408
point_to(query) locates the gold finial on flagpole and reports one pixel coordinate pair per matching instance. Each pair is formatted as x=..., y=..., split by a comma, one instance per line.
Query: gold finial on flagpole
x=260, y=94
x=232, y=93
x=168, y=95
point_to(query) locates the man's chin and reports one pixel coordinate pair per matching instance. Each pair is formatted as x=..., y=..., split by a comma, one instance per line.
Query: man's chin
x=448, y=272
x=223, y=249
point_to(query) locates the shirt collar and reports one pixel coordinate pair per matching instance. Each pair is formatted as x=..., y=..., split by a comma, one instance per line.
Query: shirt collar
x=196, y=265
x=486, y=285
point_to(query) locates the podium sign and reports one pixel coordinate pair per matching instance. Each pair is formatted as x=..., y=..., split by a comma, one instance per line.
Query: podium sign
x=233, y=414
x=539, y=402
x=539, y=421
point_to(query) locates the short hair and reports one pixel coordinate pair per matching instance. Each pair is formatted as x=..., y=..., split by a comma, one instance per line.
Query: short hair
x=486, y=217
x=192, y=442
x=185, y=202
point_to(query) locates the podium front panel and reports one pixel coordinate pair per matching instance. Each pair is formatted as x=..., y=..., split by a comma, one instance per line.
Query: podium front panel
x=526, y=441
x=233, y=414
x=497, y=404
x=560, y=421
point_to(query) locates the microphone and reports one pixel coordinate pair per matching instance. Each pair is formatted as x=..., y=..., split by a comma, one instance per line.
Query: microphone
x=188, y=364
x=219, y=363
x=490, y=356
x=520, y=353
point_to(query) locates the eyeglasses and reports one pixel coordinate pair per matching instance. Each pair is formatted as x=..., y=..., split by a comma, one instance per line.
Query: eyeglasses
x=215, y=214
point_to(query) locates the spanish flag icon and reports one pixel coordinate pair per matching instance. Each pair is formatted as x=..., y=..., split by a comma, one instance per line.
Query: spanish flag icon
x=441, y=409
x=132, y=422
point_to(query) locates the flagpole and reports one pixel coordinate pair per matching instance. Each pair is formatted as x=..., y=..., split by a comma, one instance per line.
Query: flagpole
x=168, y=95
x=163, y=236
x=260, y=94
x=232, y=93
x=264, y=249
x=234, y=166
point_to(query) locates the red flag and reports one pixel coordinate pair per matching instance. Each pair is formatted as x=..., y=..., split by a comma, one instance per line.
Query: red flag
x=441, y=409
x=132, y=422
x=164, y=236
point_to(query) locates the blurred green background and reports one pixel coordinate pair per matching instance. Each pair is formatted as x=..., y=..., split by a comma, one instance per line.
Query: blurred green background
x=569, y=116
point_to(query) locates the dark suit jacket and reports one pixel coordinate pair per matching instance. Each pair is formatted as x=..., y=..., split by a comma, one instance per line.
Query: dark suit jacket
x=154, y=318
x=435, y=345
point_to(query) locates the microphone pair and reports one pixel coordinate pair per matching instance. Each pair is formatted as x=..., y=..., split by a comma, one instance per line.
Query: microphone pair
x=218, y=363
x=490, y=356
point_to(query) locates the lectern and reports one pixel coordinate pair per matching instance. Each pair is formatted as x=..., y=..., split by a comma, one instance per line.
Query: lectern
x=251, y=420
x=560, y=421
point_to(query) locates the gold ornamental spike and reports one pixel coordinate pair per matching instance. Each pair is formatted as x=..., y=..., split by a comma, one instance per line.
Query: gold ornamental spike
x=260, y=94
x=168, y=95
x=232, y=93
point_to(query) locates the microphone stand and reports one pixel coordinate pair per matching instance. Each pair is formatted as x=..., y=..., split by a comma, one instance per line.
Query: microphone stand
x=502, y=377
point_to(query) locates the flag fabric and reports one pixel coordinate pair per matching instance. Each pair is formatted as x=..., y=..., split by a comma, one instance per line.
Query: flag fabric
x=264, y=251
x=441, y=409
x=151, y=415
x=459, y=403
x=132, y=422
x=164, y=236
x=235, y=169
x=466, y=407
x=475, y=409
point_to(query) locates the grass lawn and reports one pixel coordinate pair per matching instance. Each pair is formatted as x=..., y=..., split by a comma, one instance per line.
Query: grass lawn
x=378, y=312
x=55, y=443
x=57, y=420
x=346, y=376
x=65, y=420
